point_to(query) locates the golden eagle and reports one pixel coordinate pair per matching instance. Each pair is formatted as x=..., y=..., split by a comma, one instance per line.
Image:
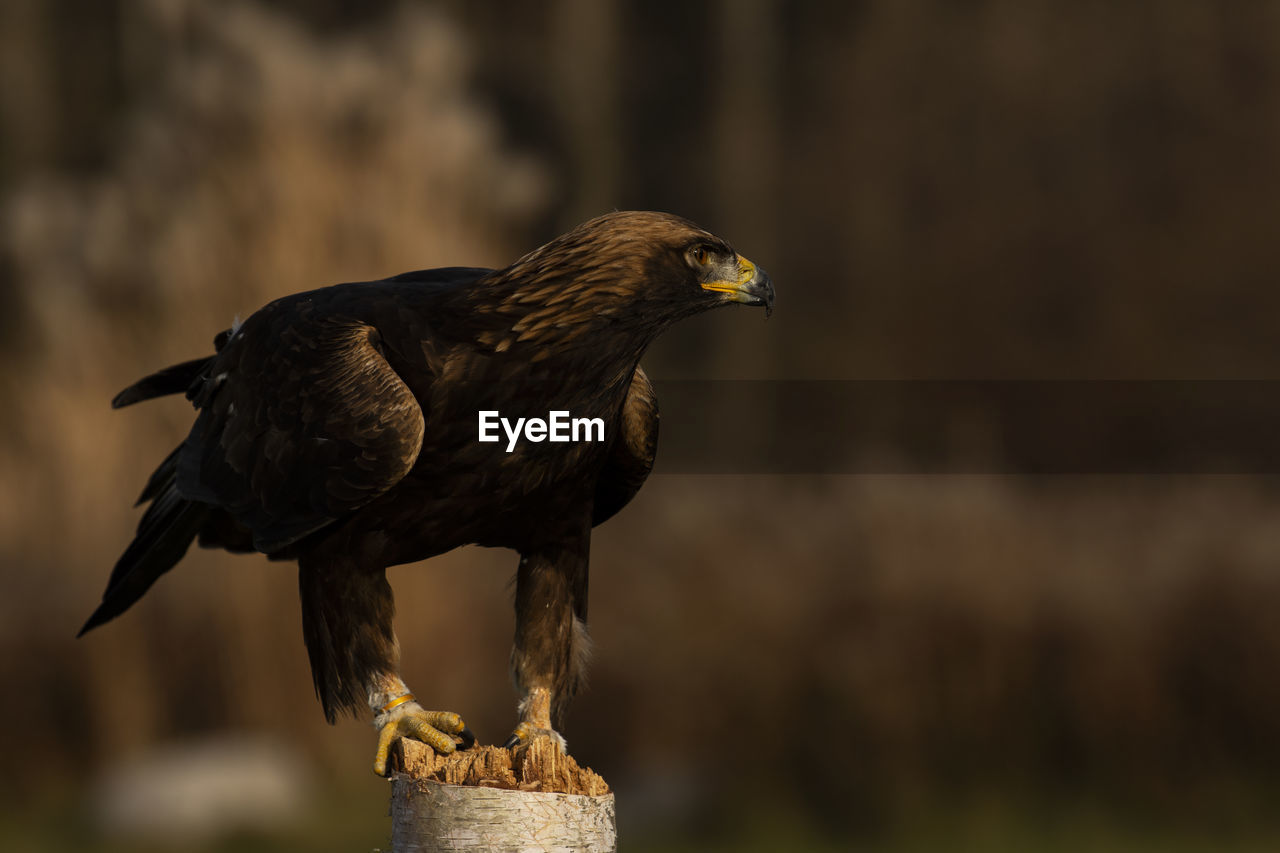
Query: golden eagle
x=340, y=428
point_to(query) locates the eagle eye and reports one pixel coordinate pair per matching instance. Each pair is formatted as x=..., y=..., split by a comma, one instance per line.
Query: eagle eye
x=701, y=255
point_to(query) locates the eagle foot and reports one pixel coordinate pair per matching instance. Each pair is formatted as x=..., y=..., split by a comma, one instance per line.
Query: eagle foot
x=443, y=731
x=525, y=733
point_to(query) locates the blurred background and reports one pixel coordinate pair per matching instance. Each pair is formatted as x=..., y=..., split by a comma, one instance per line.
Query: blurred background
x=997, y=189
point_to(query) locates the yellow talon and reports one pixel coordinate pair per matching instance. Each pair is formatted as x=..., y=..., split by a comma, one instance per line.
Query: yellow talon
x=431, y=727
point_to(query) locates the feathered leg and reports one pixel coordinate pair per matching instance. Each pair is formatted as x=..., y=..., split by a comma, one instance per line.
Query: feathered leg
x=548, y=661
x=347, y=616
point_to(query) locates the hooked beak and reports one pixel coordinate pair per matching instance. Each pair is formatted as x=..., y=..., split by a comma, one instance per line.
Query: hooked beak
x=751, y=287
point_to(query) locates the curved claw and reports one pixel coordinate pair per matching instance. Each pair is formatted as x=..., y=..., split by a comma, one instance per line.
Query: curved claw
x=525, y=732
x=520, y=734
x=431, y=727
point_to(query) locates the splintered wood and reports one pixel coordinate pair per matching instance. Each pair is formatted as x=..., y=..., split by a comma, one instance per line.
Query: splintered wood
x=538, y=767
x=494, y=799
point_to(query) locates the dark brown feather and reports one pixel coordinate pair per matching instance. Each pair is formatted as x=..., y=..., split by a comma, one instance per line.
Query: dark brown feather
x=302, y=422
x=632, y=453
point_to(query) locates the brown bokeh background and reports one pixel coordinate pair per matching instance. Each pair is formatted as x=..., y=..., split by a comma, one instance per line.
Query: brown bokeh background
x=998, y=189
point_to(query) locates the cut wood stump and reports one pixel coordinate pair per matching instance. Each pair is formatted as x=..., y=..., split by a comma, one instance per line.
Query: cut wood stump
x=490, y=798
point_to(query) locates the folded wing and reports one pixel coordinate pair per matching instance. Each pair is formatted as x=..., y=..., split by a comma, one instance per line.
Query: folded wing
x=302, y=422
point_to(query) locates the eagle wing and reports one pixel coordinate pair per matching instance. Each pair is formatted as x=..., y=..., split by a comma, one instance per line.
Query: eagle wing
x=632, y=452
x=302, y=421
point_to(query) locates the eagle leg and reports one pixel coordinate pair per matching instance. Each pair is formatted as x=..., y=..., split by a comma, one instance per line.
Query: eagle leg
x=548, y=660
x=347, y=613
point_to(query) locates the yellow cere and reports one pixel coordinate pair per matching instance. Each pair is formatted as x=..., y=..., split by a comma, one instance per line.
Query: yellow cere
x=746, y=272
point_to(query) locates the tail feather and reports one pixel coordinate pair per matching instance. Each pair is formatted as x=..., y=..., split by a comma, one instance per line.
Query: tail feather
x=161, y=477
x=177, y=379
x=164, y=534
x=171, y=522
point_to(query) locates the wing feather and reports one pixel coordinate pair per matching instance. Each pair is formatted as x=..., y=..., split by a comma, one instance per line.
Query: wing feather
x=633, y=450
x=301, y=422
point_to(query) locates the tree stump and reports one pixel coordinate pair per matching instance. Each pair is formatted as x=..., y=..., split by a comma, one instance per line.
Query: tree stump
x=490, y=798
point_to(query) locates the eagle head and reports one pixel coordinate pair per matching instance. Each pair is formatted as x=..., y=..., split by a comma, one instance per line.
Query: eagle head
x=652, y=265
x=661, y=260
x=625, y=276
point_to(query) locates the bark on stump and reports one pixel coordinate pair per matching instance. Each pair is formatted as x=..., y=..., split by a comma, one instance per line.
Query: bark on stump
x=489, y=798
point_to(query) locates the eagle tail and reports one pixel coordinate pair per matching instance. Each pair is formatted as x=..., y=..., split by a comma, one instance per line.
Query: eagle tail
x=164, y=534
x=178, y=379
